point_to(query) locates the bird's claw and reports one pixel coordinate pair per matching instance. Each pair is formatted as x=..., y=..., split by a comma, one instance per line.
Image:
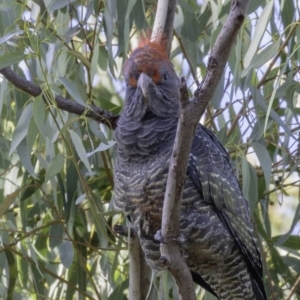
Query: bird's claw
x=159, y=237
x=181, y=239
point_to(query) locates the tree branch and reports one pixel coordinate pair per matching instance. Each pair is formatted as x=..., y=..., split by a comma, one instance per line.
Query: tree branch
x=172, y=206
x=98, y=114
x=163, y=23
x=189, y=117
x=134, y=268
x=168, y=29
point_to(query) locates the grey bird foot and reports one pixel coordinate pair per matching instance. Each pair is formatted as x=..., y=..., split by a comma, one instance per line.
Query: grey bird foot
x=159, y=237
x=181, y=239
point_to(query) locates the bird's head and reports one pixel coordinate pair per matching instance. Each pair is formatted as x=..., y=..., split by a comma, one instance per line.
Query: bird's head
x=152, y=84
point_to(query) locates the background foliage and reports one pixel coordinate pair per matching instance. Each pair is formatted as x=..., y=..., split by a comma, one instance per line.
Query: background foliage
x=56, y=180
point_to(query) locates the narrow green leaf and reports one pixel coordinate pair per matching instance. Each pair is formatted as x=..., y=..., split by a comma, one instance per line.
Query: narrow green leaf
x=6, y=6
x=130, y=6
x=219, y=93
x=103, y=58
x=287, y=12
x=262, y=57
x=277, y=83
x=264, y=159
x=37, y=278
x=95, y=58
x=66, y=253
x=79, y=56
x=25, y=157
x=259, y=31
x=38, y=111
x=260, y=226
x=12, y=58
x=13, y=273
x=55, y=235
x=81, y=272
x=56, y=166
x=138, y=14
x=259, y=99
x=118, y=292
x=8, y=201
x=72, y=89
x=109, y=27
x=102, y=147
x=246, y=176
x=292, y=242
x=253, y=190
x=80, y=149
x=283, y=238
x=3, y=91
x=34, y=258
x=9, y=35
x=58, y=4
x=254, y=4
x=258, y=129
x=34, y=185
x=80, y=199
x=292, y=262
x=22, y=128
x=50, y=56
x=35, y=10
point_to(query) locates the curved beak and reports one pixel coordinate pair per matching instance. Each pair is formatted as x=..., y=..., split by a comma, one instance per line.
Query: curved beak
x=143, y=82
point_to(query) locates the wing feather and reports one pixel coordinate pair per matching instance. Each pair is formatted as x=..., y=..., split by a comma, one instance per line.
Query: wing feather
x=210, y=169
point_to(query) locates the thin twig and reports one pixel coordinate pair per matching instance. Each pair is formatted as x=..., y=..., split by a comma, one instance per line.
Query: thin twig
x=293, y=289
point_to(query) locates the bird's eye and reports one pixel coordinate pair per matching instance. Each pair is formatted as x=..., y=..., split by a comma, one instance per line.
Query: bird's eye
x=166, y=77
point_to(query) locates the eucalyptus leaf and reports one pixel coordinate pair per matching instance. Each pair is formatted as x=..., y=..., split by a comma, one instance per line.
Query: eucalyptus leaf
x=66, y=253
x=13, y=273
x=80, y=149
x=25, y=158
x=102, y=147
x=72, y=89
x=80, y=199
x=56, y=235
x=262, y=57
x=259, y=31
x=261, y=102
x=9, y=35
x=253, y=191
x=22, y=128
x=265, y=161
x=79, y=56
x=8, y=59
x=39, y=114
x=56, y=166
x=292, y=242
x=130, y=6
x=6, y=6
x=246, y=177
x=58, y=4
